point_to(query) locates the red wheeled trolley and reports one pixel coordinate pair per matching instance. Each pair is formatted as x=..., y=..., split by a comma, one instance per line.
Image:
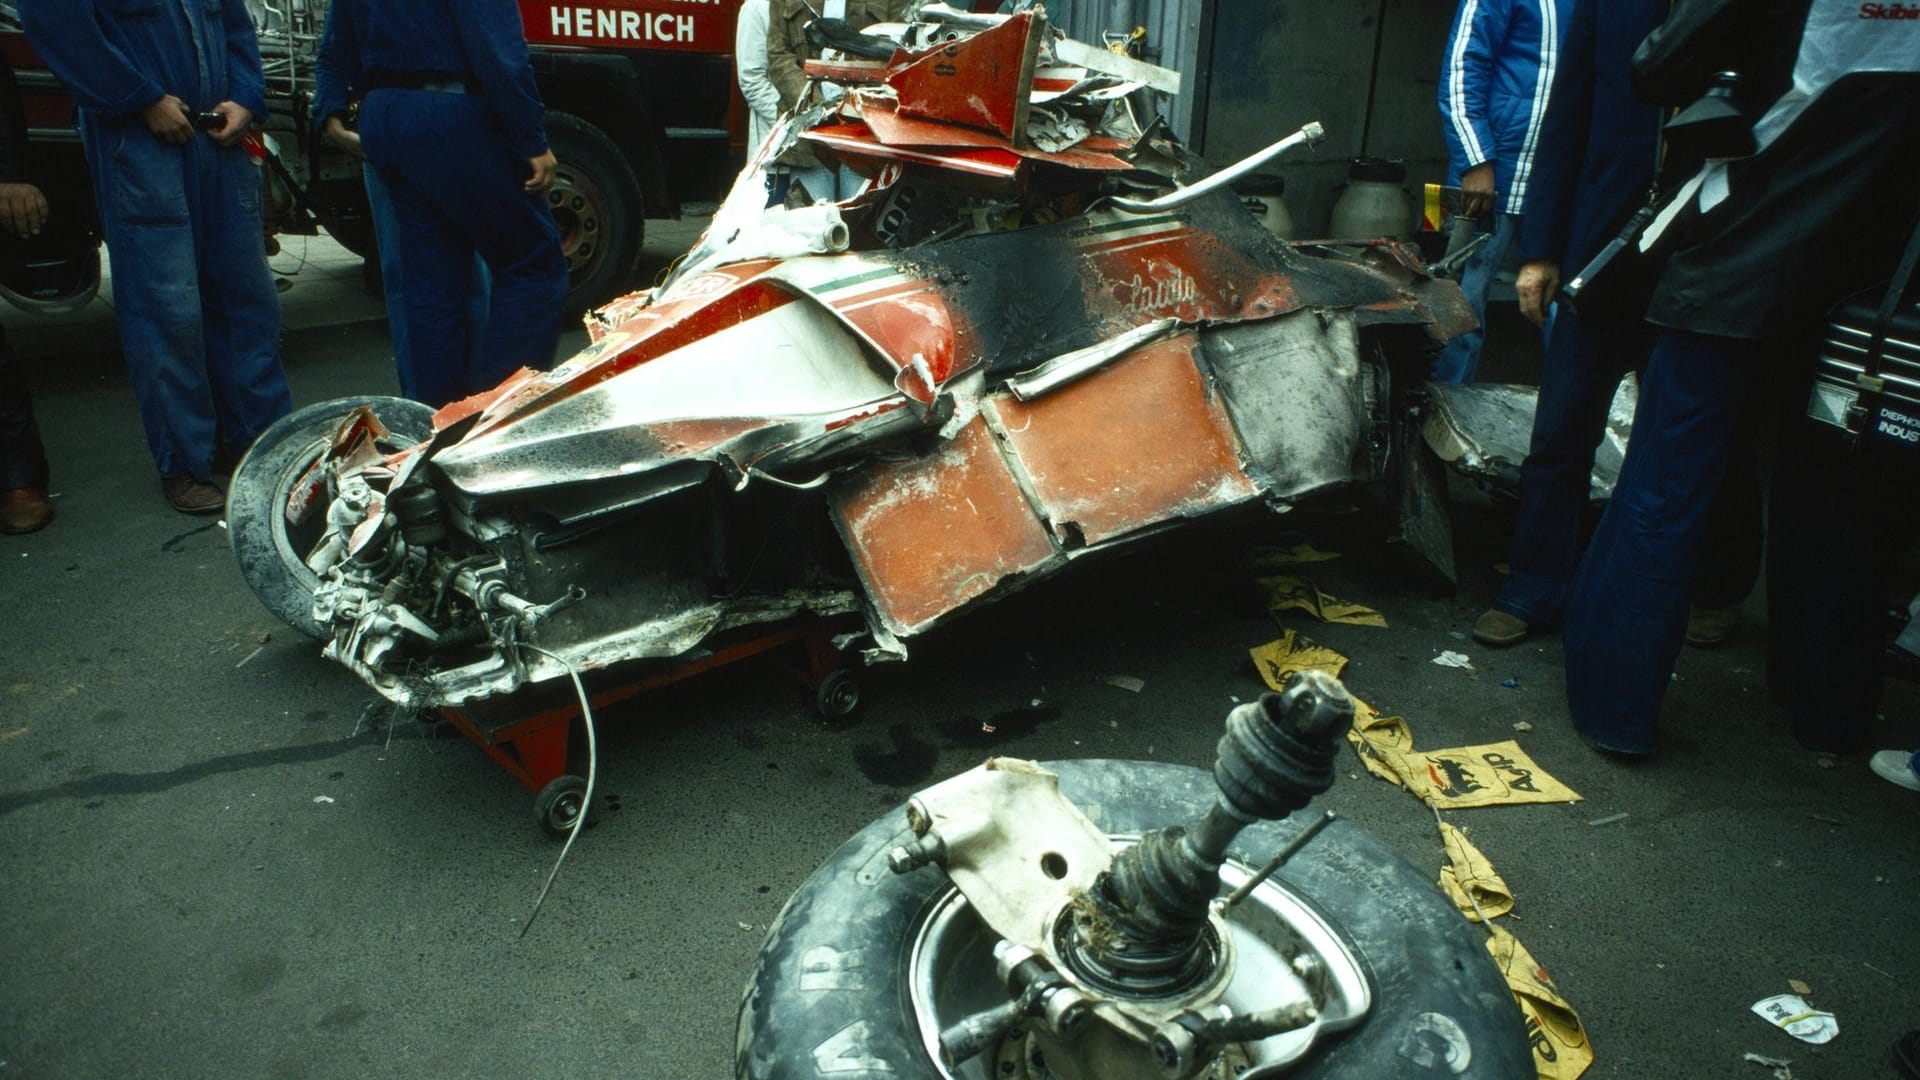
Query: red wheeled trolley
x=536, y=749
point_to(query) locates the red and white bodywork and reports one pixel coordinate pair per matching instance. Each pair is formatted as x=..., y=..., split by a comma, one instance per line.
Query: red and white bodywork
x=1023, y=341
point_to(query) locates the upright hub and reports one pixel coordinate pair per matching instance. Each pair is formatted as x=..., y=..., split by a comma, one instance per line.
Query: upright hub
x=1143, y=931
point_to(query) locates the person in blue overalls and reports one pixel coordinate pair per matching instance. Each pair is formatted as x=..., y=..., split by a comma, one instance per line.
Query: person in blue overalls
x=339, y=77
x=181, y=208
x=451, y=120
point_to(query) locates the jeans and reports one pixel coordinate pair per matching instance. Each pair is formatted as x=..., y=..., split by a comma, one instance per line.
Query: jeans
x=198, y=314
x=1459, y=361
x=1626, y=612
x=1585, y=362
x=457, y=189
x=393, y=277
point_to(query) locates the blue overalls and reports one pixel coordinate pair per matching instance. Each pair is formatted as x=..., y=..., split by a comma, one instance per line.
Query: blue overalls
x=199, y=317
x=339, y=75
x=450, y=120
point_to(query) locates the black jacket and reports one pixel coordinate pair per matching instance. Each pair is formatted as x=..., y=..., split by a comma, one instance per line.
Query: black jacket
x=1821, y=212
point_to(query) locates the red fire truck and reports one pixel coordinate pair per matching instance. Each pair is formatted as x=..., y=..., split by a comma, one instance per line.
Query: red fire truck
x=642, y=112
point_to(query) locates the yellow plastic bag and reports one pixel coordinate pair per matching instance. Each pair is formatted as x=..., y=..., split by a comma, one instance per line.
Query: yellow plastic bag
x=1288, y=592
x=1470, y=880
x=1560, y=1047
x=1290, y=653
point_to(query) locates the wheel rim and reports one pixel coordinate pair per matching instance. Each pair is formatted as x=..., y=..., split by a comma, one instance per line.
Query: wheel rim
x=564, y=812
x=294, y=544
x=578, y=210
x=843, y=698
x=950, y=976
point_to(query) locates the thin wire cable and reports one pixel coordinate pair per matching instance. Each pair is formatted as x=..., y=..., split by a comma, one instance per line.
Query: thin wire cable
x=586, y=797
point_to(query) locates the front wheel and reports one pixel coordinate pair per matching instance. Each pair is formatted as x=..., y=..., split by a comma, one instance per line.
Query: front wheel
x=272, y=552
x=842, y=985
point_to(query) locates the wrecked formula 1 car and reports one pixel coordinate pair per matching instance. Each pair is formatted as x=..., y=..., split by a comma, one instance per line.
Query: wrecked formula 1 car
x=1038, y=331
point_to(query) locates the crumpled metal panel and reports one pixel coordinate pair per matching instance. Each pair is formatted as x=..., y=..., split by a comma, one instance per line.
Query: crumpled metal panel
x=932, y=533
x=1137, y=443
x=1484, y=429
x=1302, y=399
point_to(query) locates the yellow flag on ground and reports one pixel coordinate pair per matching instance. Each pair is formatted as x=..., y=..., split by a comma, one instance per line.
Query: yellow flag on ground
x=1494, y=774
x=1287, y=592
x=1560, y=1047
x=1268, y=556
x=1470, y=880
x=1290, y=653
x=1382, y=743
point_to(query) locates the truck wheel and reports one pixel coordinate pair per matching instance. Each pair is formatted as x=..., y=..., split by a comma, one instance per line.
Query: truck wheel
x=831, y=989
x=597, y=204
x=271, y=552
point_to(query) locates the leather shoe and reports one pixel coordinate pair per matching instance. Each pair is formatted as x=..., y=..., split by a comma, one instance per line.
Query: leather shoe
x=190, y=496
x=1499, y=629
x=24, y=510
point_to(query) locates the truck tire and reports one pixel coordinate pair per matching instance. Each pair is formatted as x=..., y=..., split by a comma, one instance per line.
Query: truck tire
x=1440, y=1006
x=597, y=204
x=272, y=560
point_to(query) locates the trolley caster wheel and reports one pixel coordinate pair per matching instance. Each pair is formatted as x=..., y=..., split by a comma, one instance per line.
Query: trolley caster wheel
x=838, y=696
x=560, y=804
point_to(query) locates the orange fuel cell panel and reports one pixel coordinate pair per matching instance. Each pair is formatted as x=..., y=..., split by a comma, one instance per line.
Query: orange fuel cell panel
x=1131, y=445
x=930, y=534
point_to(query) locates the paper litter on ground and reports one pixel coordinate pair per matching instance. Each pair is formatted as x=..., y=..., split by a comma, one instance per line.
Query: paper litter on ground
x=1469, y=880
x=1560, y=1047
x=1791, y=1014
x=1289, y=592
x=1293, y=652
x=1492, y=774
x=1128, y=683
x=1450, y=658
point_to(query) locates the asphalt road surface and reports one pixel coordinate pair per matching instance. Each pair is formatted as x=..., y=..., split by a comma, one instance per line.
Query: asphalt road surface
x=216, y=862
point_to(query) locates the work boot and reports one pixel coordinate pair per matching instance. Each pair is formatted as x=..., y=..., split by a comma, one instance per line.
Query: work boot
x=1710, y=626
x=190, y=496
x=24, y=510
x=1499, y=629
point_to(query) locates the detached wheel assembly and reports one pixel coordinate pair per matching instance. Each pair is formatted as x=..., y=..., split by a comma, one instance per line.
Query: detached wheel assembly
x=560, y=804
x=1002, y=930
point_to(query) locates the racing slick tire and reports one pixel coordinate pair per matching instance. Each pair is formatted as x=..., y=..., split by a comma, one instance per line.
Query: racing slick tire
x=599, y=209
x=272, y=553
x=830, y=989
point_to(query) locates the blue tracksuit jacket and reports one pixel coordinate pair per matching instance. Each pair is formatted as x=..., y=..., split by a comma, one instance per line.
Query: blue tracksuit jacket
x=1494, y=85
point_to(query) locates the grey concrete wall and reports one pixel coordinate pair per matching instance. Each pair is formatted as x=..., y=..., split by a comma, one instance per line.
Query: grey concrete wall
x=1258, y=69
x=1277, y=64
